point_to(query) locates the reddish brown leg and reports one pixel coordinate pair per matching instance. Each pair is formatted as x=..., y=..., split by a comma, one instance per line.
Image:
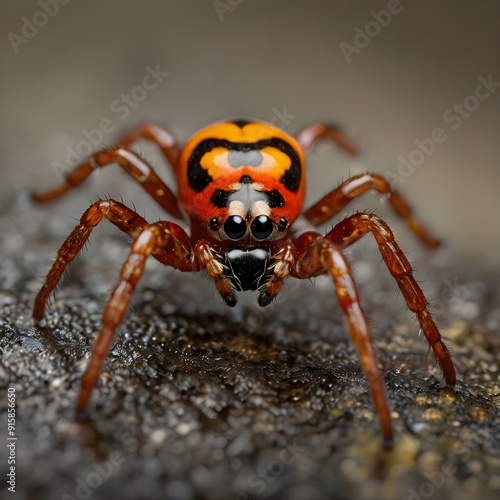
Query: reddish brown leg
x=117, y=213
x=133, y=164
x=308, y=137
x=317, y=255
x=353, y=228
x=332, y=203
x=160, y=136
x=155, y=237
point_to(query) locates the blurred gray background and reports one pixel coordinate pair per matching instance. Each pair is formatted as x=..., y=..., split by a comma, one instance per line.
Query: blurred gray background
x=274, y=60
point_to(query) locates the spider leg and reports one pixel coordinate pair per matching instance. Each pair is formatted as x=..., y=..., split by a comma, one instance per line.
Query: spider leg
x=333, y=202
x=159, y=135
x=317, y=255
x=156, y=237
x=118, y=214
x=133, y=164
x=308, y=137
x=353, y=228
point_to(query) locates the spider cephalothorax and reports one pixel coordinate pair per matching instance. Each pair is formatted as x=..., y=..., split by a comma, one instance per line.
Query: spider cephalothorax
x=241, y=187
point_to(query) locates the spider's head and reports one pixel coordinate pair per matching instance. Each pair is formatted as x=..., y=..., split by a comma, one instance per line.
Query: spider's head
x=247, y=214
x=243, y=181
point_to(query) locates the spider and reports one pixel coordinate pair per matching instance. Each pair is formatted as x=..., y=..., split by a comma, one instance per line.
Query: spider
x=240, y=186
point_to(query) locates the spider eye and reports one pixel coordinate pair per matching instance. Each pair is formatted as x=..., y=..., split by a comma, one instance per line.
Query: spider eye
x=235, y=227
x=262, y=227
x=214, y=224
x=282, y=224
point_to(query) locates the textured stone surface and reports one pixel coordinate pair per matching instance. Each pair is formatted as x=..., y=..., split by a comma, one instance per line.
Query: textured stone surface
x=197, y=401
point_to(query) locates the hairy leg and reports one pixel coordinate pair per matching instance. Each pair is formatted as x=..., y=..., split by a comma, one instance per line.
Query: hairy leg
x=353, y=228
x=133, y=164
x=331, y=204
x=154, y=238
x=317, y=255
x=118, y=214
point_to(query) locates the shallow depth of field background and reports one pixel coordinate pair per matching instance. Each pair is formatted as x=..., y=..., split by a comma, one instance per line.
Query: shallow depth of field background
x=279, y=61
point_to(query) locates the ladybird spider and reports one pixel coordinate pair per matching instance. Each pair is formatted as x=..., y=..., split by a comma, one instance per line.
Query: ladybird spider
x=241, y=187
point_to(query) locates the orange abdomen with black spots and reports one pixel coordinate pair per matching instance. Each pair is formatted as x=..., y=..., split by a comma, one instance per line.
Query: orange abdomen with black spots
x=244, y=168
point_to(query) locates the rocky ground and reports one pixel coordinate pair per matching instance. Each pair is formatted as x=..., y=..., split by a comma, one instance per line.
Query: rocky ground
x=197, y=401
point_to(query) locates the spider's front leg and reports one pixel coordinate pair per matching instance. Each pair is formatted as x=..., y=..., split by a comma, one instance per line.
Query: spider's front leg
x=118, y=214
x=353, y=228
x=316, y=255
x=161, y=240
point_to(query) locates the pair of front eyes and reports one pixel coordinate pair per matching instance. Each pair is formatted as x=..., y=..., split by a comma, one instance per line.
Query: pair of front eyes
x=261, y=227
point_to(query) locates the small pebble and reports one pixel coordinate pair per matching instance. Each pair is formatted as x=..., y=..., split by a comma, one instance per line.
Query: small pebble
x=433, y=415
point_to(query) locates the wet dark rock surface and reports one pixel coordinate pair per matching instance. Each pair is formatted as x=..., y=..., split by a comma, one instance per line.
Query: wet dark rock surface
x=197, y=401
